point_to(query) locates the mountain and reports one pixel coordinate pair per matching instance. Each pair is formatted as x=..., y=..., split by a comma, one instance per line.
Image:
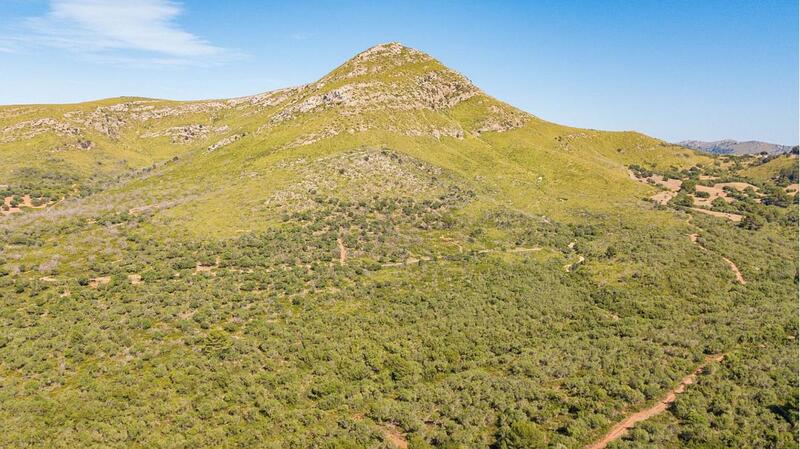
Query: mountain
x=386, y=257
x=735, y=147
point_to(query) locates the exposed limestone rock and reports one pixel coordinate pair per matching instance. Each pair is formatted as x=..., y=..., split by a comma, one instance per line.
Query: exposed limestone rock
x=110, y=120
x=442, y=89
x=308, y=139
x=226, y=141
x=80, y=144
x=502, y=119
x=431, y=91
x=378, y=58
x=32, y=128
x=187, y=133
x=266, y=99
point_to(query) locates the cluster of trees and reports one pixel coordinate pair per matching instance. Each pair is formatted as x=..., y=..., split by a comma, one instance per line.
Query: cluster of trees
x=43, y=186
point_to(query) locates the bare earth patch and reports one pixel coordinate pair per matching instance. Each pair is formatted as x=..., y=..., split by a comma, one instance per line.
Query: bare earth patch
x=672, y=186
x=718, y=191
x=26, y=202
x=98, y=281
x=395, y=436
x=732, y=217
x=663, y=197
x=735, y=270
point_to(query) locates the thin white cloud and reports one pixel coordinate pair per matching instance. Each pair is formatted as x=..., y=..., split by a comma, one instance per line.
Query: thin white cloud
x=301, y=36
x=142, y=30
x=8, y=46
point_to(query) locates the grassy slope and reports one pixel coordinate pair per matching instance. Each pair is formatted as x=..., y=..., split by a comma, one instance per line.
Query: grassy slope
x=768, y=171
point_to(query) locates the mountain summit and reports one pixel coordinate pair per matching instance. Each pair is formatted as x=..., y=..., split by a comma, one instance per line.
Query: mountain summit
x=393, y=79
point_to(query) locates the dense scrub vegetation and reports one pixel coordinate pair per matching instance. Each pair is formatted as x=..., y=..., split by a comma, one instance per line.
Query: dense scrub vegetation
x=267, y=340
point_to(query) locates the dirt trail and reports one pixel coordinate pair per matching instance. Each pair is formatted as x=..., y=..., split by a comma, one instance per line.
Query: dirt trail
x=568, y=267
x=630, y=421
x=734, y=268
x=451, y=241
x=736, y=218
x=342, y=251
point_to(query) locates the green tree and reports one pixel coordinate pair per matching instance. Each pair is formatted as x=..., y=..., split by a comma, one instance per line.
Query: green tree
x=752, y=222
x=520, y=435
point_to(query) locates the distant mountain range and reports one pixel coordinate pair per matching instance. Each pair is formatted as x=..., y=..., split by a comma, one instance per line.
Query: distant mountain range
x=729, y=146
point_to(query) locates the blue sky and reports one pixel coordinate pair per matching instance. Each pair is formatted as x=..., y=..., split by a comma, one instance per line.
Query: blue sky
x=673, y=69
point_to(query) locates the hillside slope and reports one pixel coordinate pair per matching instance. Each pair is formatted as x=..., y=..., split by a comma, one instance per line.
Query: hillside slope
x=729, y=146
x=387, y=257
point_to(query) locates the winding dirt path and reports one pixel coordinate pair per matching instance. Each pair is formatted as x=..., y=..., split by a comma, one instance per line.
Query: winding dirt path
x=734, y=268
x=736, y=218
x=630, y=421
x=570, y=266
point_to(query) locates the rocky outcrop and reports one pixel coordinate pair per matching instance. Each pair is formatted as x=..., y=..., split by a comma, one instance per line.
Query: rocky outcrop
x=226, y=141
x=32, y=128
x=502, y=119
x=187, y=133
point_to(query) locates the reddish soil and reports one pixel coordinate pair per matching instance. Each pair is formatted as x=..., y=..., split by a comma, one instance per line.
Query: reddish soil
x=671, y=184
x=630, y=421
x=26, y=202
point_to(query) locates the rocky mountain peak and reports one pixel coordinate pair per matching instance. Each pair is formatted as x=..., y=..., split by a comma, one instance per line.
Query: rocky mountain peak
x=385, y=77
